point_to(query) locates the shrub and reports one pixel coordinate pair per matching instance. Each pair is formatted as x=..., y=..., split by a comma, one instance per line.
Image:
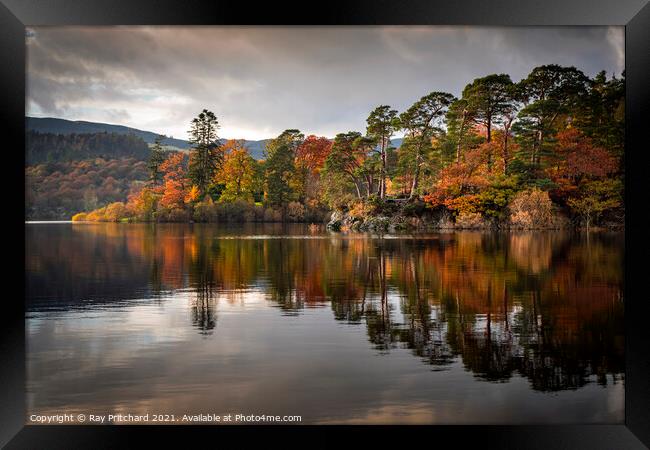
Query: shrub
x=272, y=215
x=178, y=215
x=115, y=212
x=494, y=199
x=414, y=209
x=469, y=220
x=595, y=198
x=96, y=215
x=205, y=211
x=142, y=204
x=81, y=217
x=249, y=215
x=236, y=211
x=361, y=210
x=531, y=209
x=295, y=211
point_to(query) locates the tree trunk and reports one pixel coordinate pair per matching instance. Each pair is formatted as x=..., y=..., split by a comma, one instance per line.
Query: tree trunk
x=460, y=137
x=416, y=176
x=383, y=174
x=536, y=158
x=489, y=131
x=489, y=139
x=356, y=185
x=382, y=182
x=505, y=155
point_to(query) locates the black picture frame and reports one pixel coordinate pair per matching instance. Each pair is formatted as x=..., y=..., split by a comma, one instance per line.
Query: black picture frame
x=15, y=15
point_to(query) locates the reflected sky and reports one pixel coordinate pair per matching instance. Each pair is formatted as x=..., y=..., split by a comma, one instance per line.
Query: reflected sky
x=455, y=328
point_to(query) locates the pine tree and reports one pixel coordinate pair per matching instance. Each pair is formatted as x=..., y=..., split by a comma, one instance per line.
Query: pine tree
x=156, y=158
x=205, y=157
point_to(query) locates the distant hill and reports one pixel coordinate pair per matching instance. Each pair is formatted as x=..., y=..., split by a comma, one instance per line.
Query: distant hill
x=49, y=147
x=397, y=142
x=63, y=126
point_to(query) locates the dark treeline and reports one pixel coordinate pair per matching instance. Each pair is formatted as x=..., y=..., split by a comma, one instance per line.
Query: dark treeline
x=51, y=148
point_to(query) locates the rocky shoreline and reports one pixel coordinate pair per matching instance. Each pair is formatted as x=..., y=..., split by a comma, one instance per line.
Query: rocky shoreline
x=344, y=221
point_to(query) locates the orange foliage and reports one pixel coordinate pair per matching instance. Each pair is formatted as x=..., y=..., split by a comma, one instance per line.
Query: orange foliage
x=459, y=183
x=174, y=194
x=173, y=189
x=577, y=159
x=173, y=167
x=312, y=152
x=192, y=195
x=576, y=156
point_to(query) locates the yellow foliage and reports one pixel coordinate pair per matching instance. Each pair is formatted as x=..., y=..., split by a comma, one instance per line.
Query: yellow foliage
x=193, y=194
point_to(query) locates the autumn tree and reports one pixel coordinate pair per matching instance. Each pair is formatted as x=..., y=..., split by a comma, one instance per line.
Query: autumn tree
x=420, y=122
x=459, y=185
x=237, y=173
x=595, y=198
x=205, y=156
x=142, y=204
x=382, y=122
x=576, y=160
x=175, y=186
x=310, y=159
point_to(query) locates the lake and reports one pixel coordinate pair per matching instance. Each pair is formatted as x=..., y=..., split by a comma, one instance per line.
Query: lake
x=447, y=328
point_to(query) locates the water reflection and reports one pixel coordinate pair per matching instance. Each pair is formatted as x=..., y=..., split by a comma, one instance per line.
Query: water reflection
x=545, y=307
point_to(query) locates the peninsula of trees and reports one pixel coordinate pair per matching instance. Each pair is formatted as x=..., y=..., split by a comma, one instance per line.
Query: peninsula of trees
x=544, y=152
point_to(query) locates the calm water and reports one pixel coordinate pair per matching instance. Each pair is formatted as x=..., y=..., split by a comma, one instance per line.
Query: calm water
x=453, y=328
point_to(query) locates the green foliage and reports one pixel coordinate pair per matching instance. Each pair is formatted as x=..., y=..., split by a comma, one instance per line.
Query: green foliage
x=215, y=190
x=205, y=157
x=156, y=158
x=382, y=122
x=421, y=122
x=280, y=167
x=551, y=92
x=486, y=100
x=414, y=209
x=595, y=198
x=43, y=148
x=493, y=200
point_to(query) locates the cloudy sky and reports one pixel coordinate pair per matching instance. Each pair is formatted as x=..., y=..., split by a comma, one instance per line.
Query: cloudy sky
x=262, y=80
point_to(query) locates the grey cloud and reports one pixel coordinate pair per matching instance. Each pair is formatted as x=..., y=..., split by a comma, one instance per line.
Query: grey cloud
x=261, y=80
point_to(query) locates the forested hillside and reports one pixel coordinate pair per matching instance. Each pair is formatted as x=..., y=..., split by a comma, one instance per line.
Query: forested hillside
x=56, y=190
x=66, y=173
x=55, y=126
x=48, y=147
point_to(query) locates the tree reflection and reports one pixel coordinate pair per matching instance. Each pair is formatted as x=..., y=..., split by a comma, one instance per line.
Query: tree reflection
x=202, y=282
x=545, y=306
